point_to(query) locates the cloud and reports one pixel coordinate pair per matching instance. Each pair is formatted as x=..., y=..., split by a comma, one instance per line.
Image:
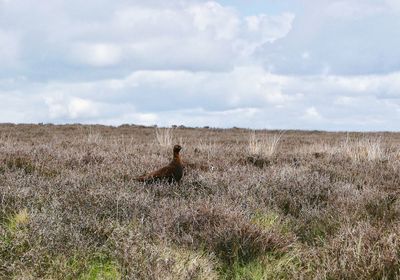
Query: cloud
x=71, y=108
x=393, y=5
x=223, y=23
x=340, y=37
x=244, y=96
x=190, y=35
x=311, y=113
x=316, y=64
x=9, y=51
x=97, y=55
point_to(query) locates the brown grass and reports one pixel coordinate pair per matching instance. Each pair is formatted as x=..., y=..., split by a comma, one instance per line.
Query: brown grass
x=320, y=206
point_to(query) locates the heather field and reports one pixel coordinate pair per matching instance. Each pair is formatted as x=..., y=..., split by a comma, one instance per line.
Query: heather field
x=251, y=205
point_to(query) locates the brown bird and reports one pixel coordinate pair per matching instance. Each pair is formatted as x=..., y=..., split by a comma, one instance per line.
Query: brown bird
x=171, y=173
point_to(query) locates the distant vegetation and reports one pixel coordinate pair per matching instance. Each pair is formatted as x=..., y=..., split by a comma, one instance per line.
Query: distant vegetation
x=251, y=205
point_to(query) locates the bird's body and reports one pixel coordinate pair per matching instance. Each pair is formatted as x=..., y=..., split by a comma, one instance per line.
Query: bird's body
x=173, y=172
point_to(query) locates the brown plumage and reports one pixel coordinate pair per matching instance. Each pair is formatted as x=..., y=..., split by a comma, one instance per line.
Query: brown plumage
x=171, y=173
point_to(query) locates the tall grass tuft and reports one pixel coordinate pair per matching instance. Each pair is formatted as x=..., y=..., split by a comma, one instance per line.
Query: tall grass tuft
x=369, y=149
x=266, y=146
x=94, y=137
x=164, y=136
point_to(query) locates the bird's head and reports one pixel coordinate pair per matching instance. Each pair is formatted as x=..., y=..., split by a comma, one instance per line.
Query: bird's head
x=177, y=148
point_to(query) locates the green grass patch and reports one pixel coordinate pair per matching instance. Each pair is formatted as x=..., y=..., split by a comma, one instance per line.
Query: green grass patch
x=271, y=220
x=266, y=220
x=315, y=230
x=18, y=220
x=20, y=163
x=101, y=267
x=271, y=266
x=254, y=270
x=13, y=240
x=83, y=267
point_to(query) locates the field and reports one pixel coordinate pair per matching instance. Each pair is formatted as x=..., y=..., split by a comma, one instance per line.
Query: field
x=263, y=205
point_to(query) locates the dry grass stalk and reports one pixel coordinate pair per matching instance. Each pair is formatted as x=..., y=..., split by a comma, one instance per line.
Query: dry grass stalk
x=164, y=136
x=266, y=146
x=369, y=149
x=94, y=137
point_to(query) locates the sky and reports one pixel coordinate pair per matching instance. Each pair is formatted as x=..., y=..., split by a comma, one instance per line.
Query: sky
x=274, y=64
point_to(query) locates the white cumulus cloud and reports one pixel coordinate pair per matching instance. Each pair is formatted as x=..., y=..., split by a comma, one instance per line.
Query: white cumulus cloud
x=97, y=54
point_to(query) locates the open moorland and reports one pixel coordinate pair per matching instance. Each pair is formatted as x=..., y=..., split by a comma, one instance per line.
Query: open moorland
x=251, y=205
